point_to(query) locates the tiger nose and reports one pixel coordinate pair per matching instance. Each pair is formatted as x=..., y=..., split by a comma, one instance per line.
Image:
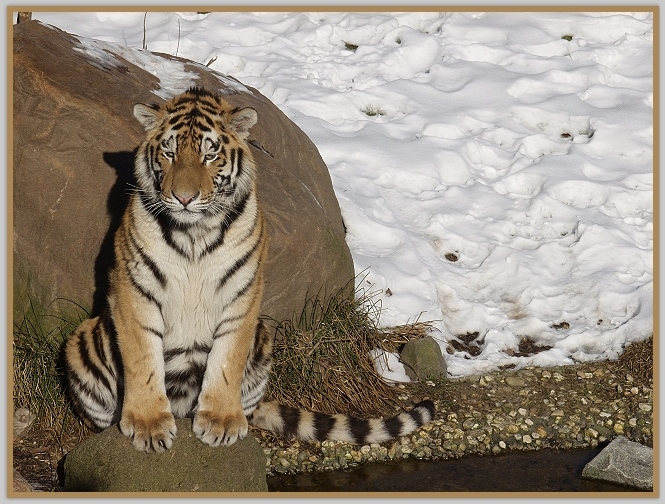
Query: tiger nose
x=184, y=199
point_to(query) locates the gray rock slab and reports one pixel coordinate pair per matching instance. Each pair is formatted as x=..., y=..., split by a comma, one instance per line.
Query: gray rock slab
x=107, y=462
x=625, y=462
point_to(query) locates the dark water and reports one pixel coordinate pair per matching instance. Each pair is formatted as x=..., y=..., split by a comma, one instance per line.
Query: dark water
x=534, y=471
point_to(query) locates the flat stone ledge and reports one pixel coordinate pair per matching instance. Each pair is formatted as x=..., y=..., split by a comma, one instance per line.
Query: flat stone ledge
x=107, y=462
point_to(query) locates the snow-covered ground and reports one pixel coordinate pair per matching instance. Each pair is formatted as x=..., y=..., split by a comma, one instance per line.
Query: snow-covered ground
x=494, y=170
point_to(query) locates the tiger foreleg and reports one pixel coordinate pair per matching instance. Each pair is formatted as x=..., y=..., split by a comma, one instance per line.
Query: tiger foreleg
x=146, y=412
x=219, y=418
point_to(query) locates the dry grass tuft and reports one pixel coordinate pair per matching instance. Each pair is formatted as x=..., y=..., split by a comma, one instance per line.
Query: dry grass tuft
x=637, y=361
x=37, y=374
x=322, y=363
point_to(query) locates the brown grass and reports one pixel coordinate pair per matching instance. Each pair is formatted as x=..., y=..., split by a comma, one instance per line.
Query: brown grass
x=322, y=363
x=637, y=361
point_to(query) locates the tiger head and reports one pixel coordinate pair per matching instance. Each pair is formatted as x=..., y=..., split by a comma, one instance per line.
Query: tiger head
x=194, y=161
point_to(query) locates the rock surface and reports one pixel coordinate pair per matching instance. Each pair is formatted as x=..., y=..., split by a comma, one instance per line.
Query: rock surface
x=423, y=359
x=107, y=462
x=625, y=462
x=20, y=484
x=74, y=137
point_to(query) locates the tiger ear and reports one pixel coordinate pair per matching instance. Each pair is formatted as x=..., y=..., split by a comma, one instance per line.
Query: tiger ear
x=147, y=115
x=242, y=120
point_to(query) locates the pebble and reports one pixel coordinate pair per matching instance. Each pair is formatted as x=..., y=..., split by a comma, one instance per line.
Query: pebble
x=515, y=382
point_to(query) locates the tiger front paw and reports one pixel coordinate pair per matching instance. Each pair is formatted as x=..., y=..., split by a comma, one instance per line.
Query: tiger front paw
x=154, y=433
x=216, y=429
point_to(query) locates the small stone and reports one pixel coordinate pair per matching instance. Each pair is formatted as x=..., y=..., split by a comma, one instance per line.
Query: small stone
x=502, y=445
x=522, y=411
x=527, y=439
x=644, y=406
x=284, y=462
x=557, y=413
x=514, y=381
x=618, y=427
x=632, y=422
x=634, y=390
x=469, y=424
x=424, y=359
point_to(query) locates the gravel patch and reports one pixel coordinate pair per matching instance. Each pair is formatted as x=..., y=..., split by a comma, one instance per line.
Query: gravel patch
x=564, y=408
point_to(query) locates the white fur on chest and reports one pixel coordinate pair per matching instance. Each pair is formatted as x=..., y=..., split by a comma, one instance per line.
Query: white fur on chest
x=191, y=300
x=191, y=307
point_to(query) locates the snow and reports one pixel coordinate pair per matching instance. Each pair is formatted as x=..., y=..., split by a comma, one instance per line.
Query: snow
x=494, y=170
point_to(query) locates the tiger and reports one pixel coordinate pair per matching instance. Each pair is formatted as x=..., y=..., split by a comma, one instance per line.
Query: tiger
x=181, y=333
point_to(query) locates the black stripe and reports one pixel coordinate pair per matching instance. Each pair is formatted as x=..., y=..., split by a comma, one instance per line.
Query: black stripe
x=85, y=352
x=323, y=424
x=185, y=378
x=216, y=243
x=166, y=224
x=238, y=264
x=359, y=428
x=139, y=288
x=153, y=331
x=261, y=349
x=98, y=341
x=78, y=390
x=424, y=410
x=174, y=392
x=226, y=320
x=112, y=335
x=149, y=155
x=154, y=269
x=232, y=160
x=239, y=162
x=199, y=348
x=243, y=290
x=225, y=225
x=291, y=418
x=393, y=426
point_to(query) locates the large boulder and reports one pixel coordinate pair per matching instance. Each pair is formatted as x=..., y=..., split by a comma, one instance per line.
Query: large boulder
x=73, y=140
x=107, y=462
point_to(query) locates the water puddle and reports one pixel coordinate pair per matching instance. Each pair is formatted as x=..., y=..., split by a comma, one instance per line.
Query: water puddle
x=534, y=471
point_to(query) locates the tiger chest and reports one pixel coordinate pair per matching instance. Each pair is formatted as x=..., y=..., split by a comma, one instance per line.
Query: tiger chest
x=192, y=306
